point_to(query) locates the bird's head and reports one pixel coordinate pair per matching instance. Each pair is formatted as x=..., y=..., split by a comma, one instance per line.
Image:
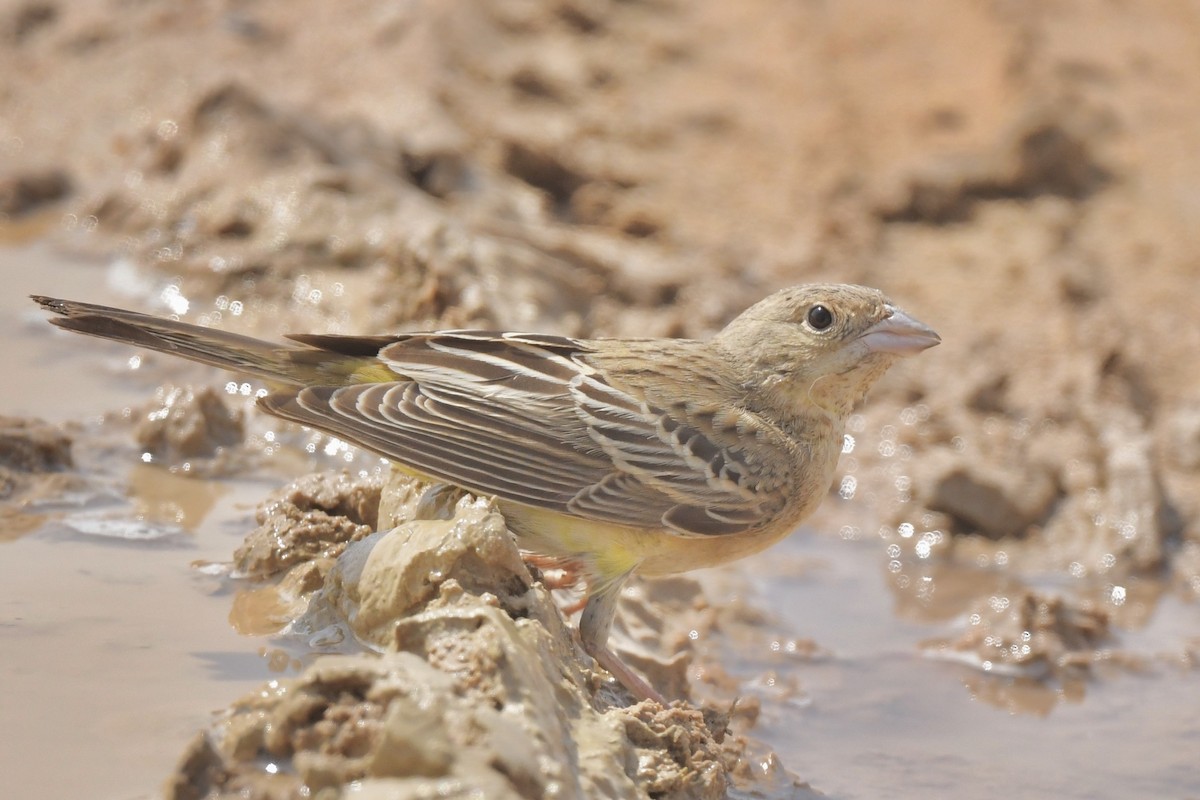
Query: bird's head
x=821, y=346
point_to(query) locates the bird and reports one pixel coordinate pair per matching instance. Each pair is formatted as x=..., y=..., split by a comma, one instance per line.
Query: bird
x=613, y=456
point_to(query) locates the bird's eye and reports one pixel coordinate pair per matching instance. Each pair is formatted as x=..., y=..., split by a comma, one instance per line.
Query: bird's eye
x=819, y=317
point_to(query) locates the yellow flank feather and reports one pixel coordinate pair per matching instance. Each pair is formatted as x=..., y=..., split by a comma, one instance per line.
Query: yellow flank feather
x=612, y=550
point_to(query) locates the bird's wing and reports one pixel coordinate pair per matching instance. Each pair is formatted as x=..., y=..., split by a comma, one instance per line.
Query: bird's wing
x=525, y=418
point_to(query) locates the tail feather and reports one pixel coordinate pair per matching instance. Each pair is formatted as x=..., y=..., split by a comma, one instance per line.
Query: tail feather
x=286, y=364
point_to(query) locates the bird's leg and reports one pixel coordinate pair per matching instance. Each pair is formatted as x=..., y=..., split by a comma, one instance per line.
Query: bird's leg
x=594, y=626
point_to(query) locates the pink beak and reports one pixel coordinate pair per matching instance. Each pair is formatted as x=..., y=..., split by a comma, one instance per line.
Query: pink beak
x=899, y=334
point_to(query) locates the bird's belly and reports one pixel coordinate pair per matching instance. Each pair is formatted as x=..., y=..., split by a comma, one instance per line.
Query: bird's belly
x=683, y=554
x=611, y=550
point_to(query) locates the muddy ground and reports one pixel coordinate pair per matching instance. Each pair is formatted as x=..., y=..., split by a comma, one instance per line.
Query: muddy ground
x=1022, y=176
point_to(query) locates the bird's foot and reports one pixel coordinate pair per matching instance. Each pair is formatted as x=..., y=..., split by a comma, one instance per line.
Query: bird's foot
x=557, y=573
x=635, y=683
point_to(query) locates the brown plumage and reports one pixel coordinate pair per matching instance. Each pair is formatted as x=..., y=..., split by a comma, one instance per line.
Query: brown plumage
x=616, y=455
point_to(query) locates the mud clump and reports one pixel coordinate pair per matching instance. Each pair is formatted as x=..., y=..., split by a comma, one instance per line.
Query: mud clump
x=187, y=423
x=479, y=686
x=380, y=582
x=33, y=446
x=1031, y=634
x=314, y=517
x=26, y=192
x=980, y=497
x=1033, y=651
x=674, y=744
x=394, y=726
x=35, y=464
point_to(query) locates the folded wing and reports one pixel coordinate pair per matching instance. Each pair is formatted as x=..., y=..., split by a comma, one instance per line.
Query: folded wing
x=528, y=419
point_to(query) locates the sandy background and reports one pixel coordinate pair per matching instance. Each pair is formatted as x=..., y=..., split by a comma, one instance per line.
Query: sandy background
x=1022, y=176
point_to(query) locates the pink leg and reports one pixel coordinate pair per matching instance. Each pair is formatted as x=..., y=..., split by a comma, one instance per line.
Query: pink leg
x=594, y=627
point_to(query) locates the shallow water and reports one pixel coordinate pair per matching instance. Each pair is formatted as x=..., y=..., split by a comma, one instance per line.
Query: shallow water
x=878, y=720
x=113, y=654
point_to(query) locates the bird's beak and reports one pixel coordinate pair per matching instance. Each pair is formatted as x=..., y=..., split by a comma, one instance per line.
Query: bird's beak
x=899, y=334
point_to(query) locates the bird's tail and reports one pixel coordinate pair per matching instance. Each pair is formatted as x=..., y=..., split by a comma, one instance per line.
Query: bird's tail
x=279, y=364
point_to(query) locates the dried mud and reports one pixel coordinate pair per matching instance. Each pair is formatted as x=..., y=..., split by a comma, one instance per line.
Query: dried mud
x=1019, y=175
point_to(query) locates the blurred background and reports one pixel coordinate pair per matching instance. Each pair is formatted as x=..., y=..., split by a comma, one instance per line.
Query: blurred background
x=1002, y=589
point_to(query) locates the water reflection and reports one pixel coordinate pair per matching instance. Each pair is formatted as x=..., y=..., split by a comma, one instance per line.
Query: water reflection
x=159, y=495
